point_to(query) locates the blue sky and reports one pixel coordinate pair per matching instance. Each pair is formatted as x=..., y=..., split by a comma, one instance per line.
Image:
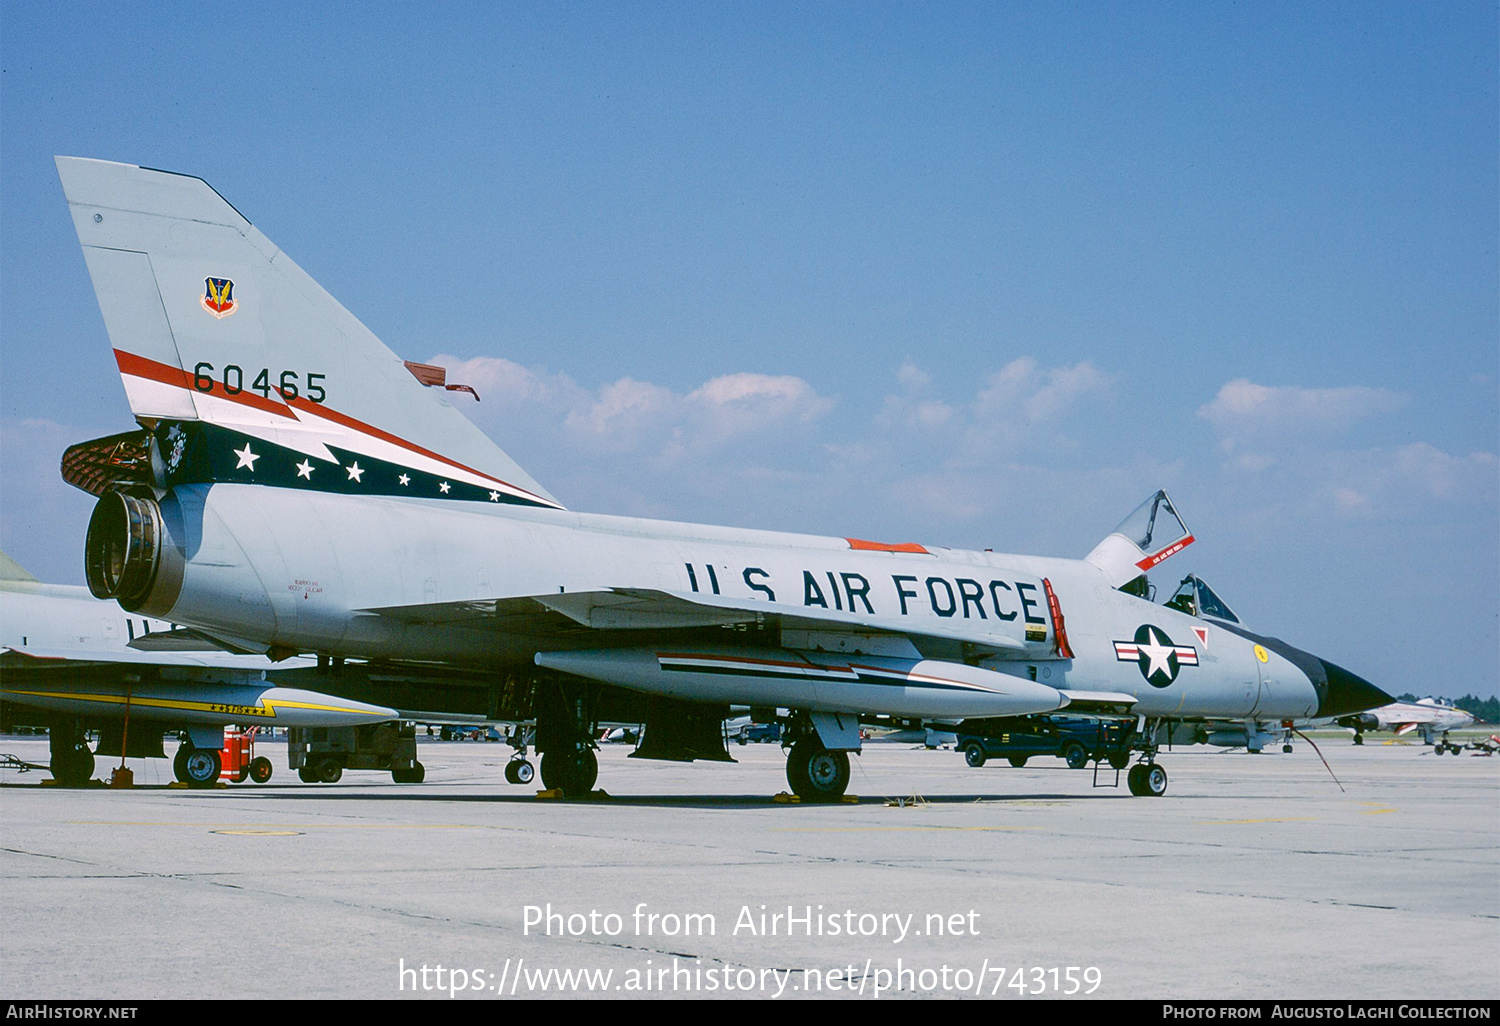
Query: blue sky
x=973, y=275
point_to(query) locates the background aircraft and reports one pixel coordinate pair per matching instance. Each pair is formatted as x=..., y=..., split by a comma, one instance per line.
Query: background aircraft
x=81, y=664
x=1432, y=716
x=296, y=487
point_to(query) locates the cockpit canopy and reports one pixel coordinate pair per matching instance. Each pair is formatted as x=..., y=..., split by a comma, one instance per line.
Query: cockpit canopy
x=1196, y=598
x=1154, y=526
x=1152, y=533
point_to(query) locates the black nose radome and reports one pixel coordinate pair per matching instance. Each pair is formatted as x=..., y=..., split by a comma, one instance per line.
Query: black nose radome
x=1348, y=693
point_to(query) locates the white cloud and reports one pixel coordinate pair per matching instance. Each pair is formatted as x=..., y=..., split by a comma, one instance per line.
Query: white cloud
x=1037, y=394
x=628, y=415
x=737, y=404
x=623, y=414
x=1243, y=407
x=913, y=378
x=504, y=381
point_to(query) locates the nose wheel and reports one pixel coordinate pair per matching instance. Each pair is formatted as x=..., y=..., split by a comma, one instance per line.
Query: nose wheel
x=1147, y=780
x=519, y=771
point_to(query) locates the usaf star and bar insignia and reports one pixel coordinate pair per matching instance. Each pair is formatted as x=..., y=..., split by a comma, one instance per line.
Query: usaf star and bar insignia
x=1159, y=659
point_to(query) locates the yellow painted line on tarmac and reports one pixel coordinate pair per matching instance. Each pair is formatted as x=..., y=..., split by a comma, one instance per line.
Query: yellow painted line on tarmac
x=1246, y=822
x=217, y=827
x=1378, y=809
x=889, y=829
x=259, y=833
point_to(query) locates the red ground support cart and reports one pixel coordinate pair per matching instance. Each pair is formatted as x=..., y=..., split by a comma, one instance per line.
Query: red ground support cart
x=239, y=758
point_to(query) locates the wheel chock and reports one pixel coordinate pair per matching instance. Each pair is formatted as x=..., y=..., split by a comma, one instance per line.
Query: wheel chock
x=557, y=792
x=122, y=777
x=786, y=799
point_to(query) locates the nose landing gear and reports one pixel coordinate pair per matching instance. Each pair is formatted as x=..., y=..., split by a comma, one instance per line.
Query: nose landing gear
x=1147, y=780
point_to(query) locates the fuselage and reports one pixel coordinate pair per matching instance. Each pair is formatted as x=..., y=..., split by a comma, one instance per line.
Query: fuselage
x=332, y=586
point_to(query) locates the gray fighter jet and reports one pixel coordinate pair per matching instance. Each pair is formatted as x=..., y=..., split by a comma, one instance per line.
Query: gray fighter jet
x=87, y=665
x=295, y=487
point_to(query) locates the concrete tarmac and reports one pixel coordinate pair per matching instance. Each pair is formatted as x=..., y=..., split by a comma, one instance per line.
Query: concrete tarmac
x=1253, y=877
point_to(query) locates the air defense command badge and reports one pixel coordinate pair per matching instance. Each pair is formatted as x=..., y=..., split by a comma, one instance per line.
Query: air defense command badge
x=218, y=298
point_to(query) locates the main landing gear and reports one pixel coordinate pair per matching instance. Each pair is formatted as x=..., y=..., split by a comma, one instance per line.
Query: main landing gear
x=519, y=770
x=816, y=772
x=572, y=772
x=72, y=763
x=565, y=732
x=198, y=767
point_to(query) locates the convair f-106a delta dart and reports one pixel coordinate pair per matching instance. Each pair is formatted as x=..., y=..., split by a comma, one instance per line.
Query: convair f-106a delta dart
x=295, y=488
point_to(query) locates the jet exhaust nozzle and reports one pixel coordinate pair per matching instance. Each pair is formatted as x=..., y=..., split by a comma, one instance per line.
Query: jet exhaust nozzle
x=123, y=548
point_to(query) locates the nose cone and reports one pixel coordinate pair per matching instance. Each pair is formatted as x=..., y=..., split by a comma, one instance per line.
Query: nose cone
x=1348, y=693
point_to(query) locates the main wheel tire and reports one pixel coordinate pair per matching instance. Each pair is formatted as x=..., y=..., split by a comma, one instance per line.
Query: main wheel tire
x=974, y=754
x=1133, y=779
x=260, y=769
x=328, y=770
x=1017, y=760
x=306, y=775
x=1286, y=749
x=510, y=773
x=1359, y=739
x=796, y=772
x=821, y=775
x=72, y=767
x=1076, y=756
x=573, y=773
x=202, y=767
x=179, y=762
x=418, y=772
x=1119, y=760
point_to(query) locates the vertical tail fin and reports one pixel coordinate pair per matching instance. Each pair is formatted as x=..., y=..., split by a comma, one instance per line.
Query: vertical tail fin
x=211, y=323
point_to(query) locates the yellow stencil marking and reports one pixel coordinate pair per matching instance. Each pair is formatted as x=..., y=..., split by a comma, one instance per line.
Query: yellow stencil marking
x=1241, y=822
x=247, y=827
x=888, y=830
